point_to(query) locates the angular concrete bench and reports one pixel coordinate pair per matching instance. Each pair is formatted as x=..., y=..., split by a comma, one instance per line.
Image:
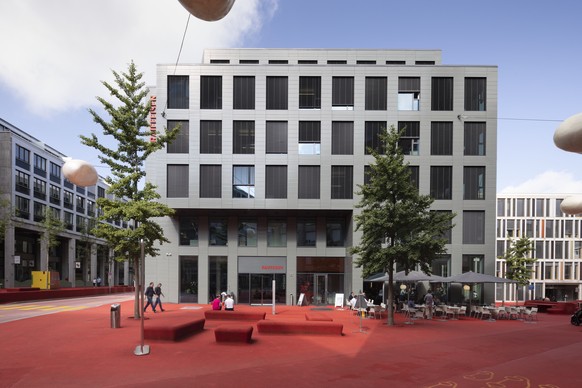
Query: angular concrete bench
x=298, y=327
x=234, y=315
x=318, y=317
x=168, y=330
x=234, y=334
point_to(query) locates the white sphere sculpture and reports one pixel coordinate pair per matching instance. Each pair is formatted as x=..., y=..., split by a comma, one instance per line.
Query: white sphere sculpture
x=568, y=135
x=572, y=205
x=209, y=10
x=80, y=172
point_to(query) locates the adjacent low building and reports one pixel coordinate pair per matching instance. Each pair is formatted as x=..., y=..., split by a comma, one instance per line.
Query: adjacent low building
x=272, y=146
x=556, y=239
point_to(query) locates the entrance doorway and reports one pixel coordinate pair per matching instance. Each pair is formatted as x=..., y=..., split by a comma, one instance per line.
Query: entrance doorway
x=320, y=288
x=257, y=289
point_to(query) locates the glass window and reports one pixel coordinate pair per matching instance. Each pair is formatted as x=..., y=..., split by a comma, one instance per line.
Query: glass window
x=441, y=138
x=218, y=232
x=275, y=181
x=188, y=231
x=39, y=188
x=372, y=141
x=22, y=157
x=441, y=265
x=243, y=133
x=277, y=93
x=276, y=137
x=55, y=194
x=473, y=227
x=55, y=170
x=474, y=182
x=247, y=233
x=243, y=92
x=500, y=207
x=414, y=175
x=408, y=93
x=309, y=137
x=39, y=164
x=335, y=232
x=309, y=92
x=69, y=220
x=210, y=137
x=39, y=211
x=210, y=181
x=475, y=93
x=309, y=182
x=243, y=182
x=276, y=233
x=342, y=138
x=22, y=207
x=342, y=93
x=410, y=139
x=342, y=182
x=177, y=181
x=68, y=199
x=22, y=181
x=441, y=182
x=178, y=92
x=475, y=139
x=306, y=232
x=376, y=93
x=181, y=144
x=217, y=275
x=442, y=93
x=80, y=204
x=210, y=92
x=448, y=234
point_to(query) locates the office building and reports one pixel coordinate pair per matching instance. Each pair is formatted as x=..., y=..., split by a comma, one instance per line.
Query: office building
x=31, y=182
x=556, y=239
x=272, y=146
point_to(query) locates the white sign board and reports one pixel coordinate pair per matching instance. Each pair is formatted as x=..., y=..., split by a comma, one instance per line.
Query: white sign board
x=339, y=300
x=16, y=259
x=300, y=301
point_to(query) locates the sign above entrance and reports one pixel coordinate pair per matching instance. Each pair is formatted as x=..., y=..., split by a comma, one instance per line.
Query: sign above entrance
x=258, y=264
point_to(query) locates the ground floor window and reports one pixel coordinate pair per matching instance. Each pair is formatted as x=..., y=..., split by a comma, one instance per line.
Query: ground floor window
x=217, y=276
x=258, y=288
x=319, y=279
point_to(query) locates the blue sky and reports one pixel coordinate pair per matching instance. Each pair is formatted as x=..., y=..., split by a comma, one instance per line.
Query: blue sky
x=55, y=55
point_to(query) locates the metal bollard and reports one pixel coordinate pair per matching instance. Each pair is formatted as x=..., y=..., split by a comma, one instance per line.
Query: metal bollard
x=115, y=316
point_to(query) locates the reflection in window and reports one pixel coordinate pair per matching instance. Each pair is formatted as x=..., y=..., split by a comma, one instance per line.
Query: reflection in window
x=335, y=232
x=217, y=232
x=247, y=233
x=309, y=137
x=410, y=138
x=409, y=93
x=306, y=232
x=189, y=231
x=243, y=182
x=276, y=233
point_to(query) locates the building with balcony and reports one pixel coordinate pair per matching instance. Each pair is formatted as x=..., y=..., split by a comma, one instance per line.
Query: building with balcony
x=31, y=183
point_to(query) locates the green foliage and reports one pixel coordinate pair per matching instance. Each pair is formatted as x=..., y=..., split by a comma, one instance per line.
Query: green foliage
x=5, y=215
x=519, y=265
x=398, y=227
x=129, y=203
x=52, y=226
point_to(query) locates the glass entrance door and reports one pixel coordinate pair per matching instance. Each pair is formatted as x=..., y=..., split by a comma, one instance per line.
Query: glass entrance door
x=261, y=289
x=320, y=289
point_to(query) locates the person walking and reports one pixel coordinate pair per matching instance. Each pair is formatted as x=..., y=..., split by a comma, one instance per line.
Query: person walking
x=158, y=299
x=149, y=293
x=429, y=302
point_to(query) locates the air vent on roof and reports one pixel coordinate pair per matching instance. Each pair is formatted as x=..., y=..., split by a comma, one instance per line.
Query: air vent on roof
x=249, y=61
x=396, y=62
x=337, y=62
x=424, y=62
x=278, y=61
x=219, y=61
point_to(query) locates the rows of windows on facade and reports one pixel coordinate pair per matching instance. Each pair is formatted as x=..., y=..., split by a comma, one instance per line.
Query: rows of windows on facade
x=309, y=134
x=50, y=190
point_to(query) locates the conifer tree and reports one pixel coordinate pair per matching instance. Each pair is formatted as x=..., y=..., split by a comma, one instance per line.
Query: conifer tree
x=398, y=228
x=518, y=262
x=132, y=200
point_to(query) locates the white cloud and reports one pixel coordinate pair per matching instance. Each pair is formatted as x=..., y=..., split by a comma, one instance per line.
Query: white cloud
x=549, y=182
x=56, y=53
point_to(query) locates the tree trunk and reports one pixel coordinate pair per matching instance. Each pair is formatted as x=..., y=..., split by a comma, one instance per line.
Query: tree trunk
x=390, y=301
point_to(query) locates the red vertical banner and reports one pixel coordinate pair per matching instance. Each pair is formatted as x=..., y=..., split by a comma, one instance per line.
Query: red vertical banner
x=153, y=127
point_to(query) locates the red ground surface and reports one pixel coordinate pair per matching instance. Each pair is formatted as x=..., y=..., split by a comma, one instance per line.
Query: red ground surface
x=79, y=348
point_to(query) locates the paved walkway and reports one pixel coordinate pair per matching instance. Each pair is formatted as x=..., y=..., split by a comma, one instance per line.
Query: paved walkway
x=78, y=348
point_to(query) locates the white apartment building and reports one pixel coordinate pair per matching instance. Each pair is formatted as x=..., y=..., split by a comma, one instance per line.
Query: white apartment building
x=272, y=146
x=556, y=238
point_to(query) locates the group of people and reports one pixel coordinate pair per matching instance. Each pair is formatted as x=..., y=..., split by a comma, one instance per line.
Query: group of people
x=154, y=297
x=228, y=302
